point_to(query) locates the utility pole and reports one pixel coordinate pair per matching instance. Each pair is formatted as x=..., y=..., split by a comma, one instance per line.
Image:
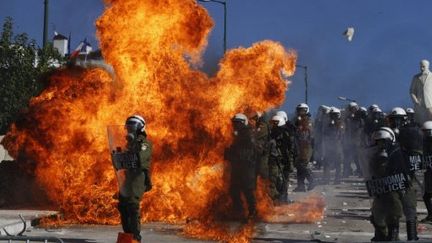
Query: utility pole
x=224, y=3
x=45, y=28
x=305, y=68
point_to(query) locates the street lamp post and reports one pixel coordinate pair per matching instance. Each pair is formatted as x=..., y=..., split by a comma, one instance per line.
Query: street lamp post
x=45, y=28
x=223, y=2
x=305, y=80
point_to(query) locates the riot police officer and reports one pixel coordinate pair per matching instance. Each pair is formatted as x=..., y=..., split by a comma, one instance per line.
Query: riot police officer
x=427, y=153
x=369, y=121
x=333, y=145
x=290, y=129
x=261, y=133
x=411, y=143
x=374, y=121
x=288, y=124
x=411, y=117
x=354, y=125
x=242, y=157
x=304, y=142
x=136, y=168
x=387, y=180
x=281, y=156
x=320, y=122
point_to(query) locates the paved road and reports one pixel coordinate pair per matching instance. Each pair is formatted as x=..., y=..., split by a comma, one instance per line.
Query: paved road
x=346, y=220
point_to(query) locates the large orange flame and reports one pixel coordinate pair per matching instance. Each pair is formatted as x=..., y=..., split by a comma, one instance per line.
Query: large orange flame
x=153, y=47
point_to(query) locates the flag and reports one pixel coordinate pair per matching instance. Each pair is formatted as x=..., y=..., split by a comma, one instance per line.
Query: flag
x=83, y=48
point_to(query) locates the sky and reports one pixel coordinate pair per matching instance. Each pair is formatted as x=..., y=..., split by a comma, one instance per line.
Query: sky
x=391, y=37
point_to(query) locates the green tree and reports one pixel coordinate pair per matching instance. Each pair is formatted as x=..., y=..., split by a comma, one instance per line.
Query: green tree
x=22, y=64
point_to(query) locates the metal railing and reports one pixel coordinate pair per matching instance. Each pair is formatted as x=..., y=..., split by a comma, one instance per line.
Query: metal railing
x=23, y=238
x=29, y=239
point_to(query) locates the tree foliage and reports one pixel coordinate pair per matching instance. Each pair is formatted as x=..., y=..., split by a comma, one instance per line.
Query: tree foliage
x=22, y=64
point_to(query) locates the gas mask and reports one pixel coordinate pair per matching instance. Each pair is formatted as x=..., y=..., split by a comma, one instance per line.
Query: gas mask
x=132, y=130
x=396, y=122
x=382, y=149
x=382, y=154
x=237, y=126
x=427, y=134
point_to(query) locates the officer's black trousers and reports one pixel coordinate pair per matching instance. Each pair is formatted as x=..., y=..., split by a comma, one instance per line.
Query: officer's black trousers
x=249, y=194
x=130, y=218
x=427, y=198
x=304, y=173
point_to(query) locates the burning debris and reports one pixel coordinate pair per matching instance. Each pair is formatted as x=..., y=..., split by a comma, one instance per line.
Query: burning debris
x=63, y=140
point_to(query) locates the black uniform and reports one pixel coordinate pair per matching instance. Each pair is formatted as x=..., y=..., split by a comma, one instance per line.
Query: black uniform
x=304, y=148
x=333, y=148
x=242, y=157
x=387, y=205
x=427, y=163
x=280, y=161
x=410, y=139
x=261, y=135
x=353, y=142
x=137, y=181
x=319, y=126
x=372, y=124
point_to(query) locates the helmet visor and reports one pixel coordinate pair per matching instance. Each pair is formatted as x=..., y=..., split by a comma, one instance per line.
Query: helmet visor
x=427, y=133
x=301, y=111
x=274, y=122
x=132, y=127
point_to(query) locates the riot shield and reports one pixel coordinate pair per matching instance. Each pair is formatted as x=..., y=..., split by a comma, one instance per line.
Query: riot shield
x=366, y=158
x=122, y=157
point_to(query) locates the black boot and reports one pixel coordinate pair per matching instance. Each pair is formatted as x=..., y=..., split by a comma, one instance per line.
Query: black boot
x=393, y=232
x=300, y=180
x=124, y=216
x=411, y=229
x=311, y=180
x=300, y=188
x=379, y=236
x=284, y=199
x=428, y=204
x=380, y=232
x=135, y=220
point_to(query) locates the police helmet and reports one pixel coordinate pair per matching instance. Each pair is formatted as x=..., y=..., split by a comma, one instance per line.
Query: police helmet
x=410, y=111
x=324, y=109
x=398, y=112
x=254, y=115
x=278, y=120
x=335, y=112
x=135, y=123
x=372, y=107
x=240, y=117
x=352, y=105
x=427, y=128
x=302, y=106
x=363, y=111
x=377, y=110
x=384, y=133
x=282, y=114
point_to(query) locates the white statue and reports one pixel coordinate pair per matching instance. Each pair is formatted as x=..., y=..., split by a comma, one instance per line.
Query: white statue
x=421, y=93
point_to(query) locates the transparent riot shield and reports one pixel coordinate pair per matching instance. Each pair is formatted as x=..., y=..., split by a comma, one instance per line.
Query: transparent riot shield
x=366, y=158
x=122, y=156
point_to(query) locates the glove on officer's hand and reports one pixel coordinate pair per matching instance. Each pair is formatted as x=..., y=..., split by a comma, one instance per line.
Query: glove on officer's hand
x=147, y=181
